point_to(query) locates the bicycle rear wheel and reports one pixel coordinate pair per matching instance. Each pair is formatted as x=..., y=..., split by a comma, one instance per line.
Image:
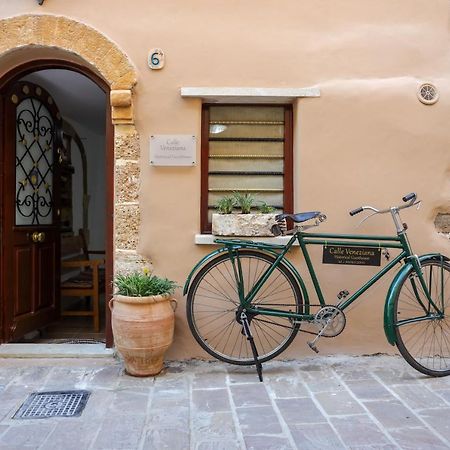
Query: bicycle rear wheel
x=213, y=301
x=423, y=335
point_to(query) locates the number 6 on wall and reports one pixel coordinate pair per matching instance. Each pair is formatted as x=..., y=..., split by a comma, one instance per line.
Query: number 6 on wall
x=156, y=58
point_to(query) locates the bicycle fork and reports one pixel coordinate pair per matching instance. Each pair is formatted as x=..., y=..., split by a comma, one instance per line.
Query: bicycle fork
x=248, y=334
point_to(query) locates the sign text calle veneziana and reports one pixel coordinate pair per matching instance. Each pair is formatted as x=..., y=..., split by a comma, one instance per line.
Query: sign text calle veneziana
x=173, y=150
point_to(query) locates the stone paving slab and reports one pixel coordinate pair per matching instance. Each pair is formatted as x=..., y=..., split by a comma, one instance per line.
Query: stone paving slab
x=337, y=402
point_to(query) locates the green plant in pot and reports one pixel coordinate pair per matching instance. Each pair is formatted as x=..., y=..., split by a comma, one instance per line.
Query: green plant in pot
x=244, y=201
x=226, y=204
x=264, y=208
x=143, y=320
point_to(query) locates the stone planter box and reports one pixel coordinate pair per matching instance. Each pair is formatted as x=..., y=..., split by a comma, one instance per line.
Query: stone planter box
x=242, y=224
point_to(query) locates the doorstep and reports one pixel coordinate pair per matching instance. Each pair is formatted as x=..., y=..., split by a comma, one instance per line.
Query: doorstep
x=55, y=351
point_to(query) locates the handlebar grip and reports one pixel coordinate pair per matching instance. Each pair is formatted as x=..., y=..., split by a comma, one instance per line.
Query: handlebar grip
x=356, y=211
x=409, y=197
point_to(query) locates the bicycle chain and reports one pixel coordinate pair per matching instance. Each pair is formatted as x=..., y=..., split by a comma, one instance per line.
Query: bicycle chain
x=288, y=304
x=285, y=326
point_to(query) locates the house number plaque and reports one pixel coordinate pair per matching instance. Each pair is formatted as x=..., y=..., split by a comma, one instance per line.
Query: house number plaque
x=156, y=59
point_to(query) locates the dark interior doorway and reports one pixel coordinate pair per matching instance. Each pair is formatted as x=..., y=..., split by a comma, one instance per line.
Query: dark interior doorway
x=81, y=207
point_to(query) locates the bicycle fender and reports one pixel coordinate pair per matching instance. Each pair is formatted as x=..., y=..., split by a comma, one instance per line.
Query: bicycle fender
x=394, y=288
x=287, y=263
x=209, y=256
x=199, y=264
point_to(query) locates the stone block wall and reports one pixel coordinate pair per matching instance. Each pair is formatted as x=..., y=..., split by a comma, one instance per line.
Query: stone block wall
x=442, y=222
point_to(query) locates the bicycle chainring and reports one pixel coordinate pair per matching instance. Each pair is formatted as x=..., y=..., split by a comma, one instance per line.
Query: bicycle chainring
x=332, y=319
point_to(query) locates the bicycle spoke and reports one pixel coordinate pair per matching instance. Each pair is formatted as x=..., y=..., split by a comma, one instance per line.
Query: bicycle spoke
x=228, y=280
x=258, y=338
x=269, y=323
x=208, y=316
x=224, y=293
x=229, y=335
x=268, y=334
x=269, y=286
x=212, y=307
x=220, y=331
x=227, y=298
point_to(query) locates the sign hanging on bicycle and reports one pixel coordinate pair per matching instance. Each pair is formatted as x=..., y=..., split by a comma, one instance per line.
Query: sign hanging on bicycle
x=359, y=256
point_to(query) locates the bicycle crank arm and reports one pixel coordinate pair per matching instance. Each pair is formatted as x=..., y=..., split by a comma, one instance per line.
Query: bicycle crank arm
x=312, y=344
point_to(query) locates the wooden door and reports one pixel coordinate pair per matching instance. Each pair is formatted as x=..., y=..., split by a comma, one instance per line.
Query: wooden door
x=30, y=204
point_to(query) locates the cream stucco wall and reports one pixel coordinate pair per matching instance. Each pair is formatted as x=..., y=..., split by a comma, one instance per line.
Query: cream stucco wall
x=366, y=140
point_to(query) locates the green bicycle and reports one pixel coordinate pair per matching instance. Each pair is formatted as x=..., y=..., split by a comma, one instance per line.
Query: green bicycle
x=246, y=302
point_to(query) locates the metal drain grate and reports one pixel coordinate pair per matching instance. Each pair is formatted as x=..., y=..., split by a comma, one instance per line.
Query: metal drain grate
x=41, y=405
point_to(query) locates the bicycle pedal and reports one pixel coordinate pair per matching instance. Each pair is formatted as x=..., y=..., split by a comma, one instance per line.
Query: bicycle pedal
x=313, y=347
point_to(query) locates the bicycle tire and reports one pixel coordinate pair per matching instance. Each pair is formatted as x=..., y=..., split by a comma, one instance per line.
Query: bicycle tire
x=212, y=302
x=425, y=345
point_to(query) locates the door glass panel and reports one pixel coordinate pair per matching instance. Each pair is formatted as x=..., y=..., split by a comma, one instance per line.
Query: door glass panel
x=34, y=163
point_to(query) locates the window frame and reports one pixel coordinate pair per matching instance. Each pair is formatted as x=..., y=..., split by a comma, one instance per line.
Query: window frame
x=288, y=155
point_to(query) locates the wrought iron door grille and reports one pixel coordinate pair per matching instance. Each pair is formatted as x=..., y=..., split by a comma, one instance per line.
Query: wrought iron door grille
x=35, y=132
x=41, y=405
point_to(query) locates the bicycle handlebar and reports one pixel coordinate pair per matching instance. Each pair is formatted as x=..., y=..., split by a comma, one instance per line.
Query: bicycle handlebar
x=409, y=199
x=356, y=211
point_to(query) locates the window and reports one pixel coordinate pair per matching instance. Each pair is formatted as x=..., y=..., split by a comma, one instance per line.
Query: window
x=246, y=148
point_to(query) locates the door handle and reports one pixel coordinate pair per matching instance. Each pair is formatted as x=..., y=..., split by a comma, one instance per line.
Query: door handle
x=38, y=236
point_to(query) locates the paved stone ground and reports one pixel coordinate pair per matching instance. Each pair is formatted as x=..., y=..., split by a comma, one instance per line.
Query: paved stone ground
x=374, y=402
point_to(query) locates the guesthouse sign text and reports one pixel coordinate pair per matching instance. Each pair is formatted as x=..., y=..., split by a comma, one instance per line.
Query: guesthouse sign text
x=173, y=150
x=358, y=256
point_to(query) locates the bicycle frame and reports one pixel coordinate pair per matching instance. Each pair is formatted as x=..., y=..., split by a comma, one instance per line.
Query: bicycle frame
x=304, y=239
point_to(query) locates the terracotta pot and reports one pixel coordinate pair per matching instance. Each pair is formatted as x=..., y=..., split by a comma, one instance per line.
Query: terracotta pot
x=143, y=331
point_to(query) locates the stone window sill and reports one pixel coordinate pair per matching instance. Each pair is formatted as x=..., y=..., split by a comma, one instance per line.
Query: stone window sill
x=248, y=95
x=208, y=239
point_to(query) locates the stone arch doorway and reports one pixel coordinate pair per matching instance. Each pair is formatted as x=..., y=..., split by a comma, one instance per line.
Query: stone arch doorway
x=36, y=42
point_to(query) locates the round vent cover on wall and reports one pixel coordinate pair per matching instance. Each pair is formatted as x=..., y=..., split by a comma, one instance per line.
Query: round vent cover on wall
x=427, y=93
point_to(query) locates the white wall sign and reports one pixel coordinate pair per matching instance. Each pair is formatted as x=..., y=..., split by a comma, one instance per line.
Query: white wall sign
x=173, y=150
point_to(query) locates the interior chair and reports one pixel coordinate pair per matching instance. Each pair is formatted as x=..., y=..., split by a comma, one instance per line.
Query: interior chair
x=85, y=277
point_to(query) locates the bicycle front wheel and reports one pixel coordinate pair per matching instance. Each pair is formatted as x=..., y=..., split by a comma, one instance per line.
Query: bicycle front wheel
x=213, y=302
x=423, y=334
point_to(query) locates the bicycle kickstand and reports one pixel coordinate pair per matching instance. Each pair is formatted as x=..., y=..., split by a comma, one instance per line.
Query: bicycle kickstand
x=248, y=335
